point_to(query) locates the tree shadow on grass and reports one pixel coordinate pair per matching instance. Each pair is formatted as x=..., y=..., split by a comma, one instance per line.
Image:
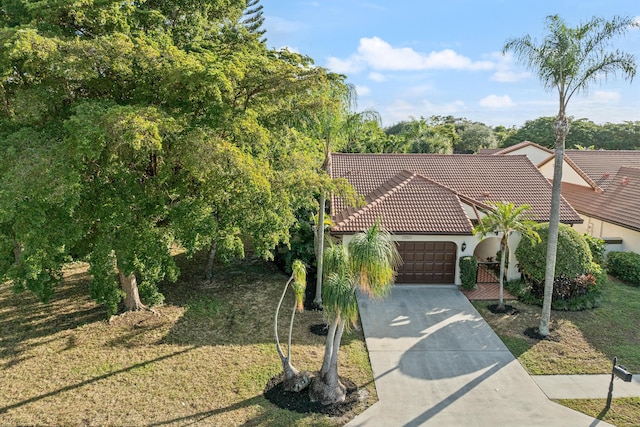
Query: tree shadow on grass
x=25, y=321
x=237, y=306
x=90, y=381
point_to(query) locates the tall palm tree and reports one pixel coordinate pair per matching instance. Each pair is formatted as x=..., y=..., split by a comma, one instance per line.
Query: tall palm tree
x=294, y=380
x=333, y=124
x=568, y=60
x=367, y=264
x=505, y=219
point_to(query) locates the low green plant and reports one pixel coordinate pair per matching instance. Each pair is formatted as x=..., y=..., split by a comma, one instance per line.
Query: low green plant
x=468, y=272
x=597, y=246
x=150, y=294
x=625, y=266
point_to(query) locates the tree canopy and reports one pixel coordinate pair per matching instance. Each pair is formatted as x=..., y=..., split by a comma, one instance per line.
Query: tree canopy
x=129, y=127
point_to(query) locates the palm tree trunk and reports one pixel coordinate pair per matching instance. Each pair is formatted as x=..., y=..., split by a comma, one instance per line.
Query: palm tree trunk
x=210, y=260
x=129, y=285
x=505, y=249
x=326, y=387
x=317, y=300
x=328, y=347
x=561, y=128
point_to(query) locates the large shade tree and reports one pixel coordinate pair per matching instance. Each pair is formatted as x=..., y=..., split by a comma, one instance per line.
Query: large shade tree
x=128, y=127
x=568, y=60
x=506, y=219
x=366, y=264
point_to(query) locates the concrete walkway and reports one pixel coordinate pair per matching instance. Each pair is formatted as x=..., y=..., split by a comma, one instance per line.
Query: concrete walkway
x=586, y=386
x=436, y=362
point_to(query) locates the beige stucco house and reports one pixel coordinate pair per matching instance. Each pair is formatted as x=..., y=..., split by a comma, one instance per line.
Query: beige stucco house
x=430, y=203
x=602, y=185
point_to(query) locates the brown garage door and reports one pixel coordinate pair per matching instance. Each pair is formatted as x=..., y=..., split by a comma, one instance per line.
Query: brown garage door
x=427, y=262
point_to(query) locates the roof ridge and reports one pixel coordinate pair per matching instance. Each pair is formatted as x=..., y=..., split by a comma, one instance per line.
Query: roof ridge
x=583, y=174
x=520, y=145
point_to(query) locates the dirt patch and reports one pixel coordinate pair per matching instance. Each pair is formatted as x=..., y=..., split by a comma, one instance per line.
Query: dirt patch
x=300, y=402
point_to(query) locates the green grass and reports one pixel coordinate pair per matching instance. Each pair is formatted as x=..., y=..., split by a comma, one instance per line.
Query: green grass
x=203, y=358
x=582, y=342
x=624, y=412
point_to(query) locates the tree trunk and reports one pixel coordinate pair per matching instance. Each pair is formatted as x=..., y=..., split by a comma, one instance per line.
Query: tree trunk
x=294, y=380
x=560, y=129
x=208, y=274
x=328, y=347
x=326, y=387
x=319, y=251
x=17, y=251
x=505, y=249
x=129, y=285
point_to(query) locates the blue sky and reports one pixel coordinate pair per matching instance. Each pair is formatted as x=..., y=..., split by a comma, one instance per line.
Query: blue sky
x=422, y=57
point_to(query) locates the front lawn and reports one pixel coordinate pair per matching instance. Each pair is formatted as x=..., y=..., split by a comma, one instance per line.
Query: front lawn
x=583, y=342
x=204, y=358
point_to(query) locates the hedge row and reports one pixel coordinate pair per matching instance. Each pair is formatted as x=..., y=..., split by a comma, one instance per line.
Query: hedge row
x=625, y=266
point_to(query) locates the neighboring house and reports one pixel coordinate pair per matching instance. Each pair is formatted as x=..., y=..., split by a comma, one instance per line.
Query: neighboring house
x=603, y=186
x=430, y=203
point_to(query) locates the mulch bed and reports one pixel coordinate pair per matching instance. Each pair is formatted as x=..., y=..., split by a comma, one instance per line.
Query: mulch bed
x=300, y=402
x=320, y=329
x=505, y=309
x=532, y=332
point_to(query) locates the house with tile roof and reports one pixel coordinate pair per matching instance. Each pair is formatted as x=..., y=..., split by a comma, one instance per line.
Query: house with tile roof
x=431, y=202
x=603, y=186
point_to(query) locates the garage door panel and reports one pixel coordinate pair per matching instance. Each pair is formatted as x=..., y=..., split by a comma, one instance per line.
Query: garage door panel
x=427, y=262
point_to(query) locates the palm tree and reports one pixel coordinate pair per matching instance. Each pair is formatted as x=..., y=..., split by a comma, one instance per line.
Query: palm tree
x=505, y=219
x=367, y=264
x=568, y=60
x=294, y=380
x=333, y=125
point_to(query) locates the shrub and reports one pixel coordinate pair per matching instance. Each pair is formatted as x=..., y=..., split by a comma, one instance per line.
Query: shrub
x=597, y=246
x=599, y=273
x=625, y=266
x=574, y=256
x=468, y=272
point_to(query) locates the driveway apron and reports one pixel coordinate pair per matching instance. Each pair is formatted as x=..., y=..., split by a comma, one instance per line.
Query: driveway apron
x=436, y=362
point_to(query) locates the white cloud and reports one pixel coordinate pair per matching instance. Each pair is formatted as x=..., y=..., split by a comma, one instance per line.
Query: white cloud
x=495, y=101
x=345, y=66
x=505, y=72
x=606, y=96
x=362, y=90
x=379, y=55
x=377, y=77
x=507, y=76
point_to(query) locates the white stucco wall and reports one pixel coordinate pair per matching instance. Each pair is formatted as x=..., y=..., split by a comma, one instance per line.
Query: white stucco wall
x=534, y=154
x=602, y=229
x=569, y=174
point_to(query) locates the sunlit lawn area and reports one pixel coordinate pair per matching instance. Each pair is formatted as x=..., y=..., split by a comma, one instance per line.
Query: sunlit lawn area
x=203, y=358
x=582, y=342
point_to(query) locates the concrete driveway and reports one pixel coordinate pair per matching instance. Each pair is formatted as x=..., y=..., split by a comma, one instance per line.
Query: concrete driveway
x=436, y=362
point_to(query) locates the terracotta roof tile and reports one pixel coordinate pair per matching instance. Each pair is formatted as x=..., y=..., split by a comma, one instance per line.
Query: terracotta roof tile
x=618, y=204
x=477, y=178
x=409, y=203
x=602, y=165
